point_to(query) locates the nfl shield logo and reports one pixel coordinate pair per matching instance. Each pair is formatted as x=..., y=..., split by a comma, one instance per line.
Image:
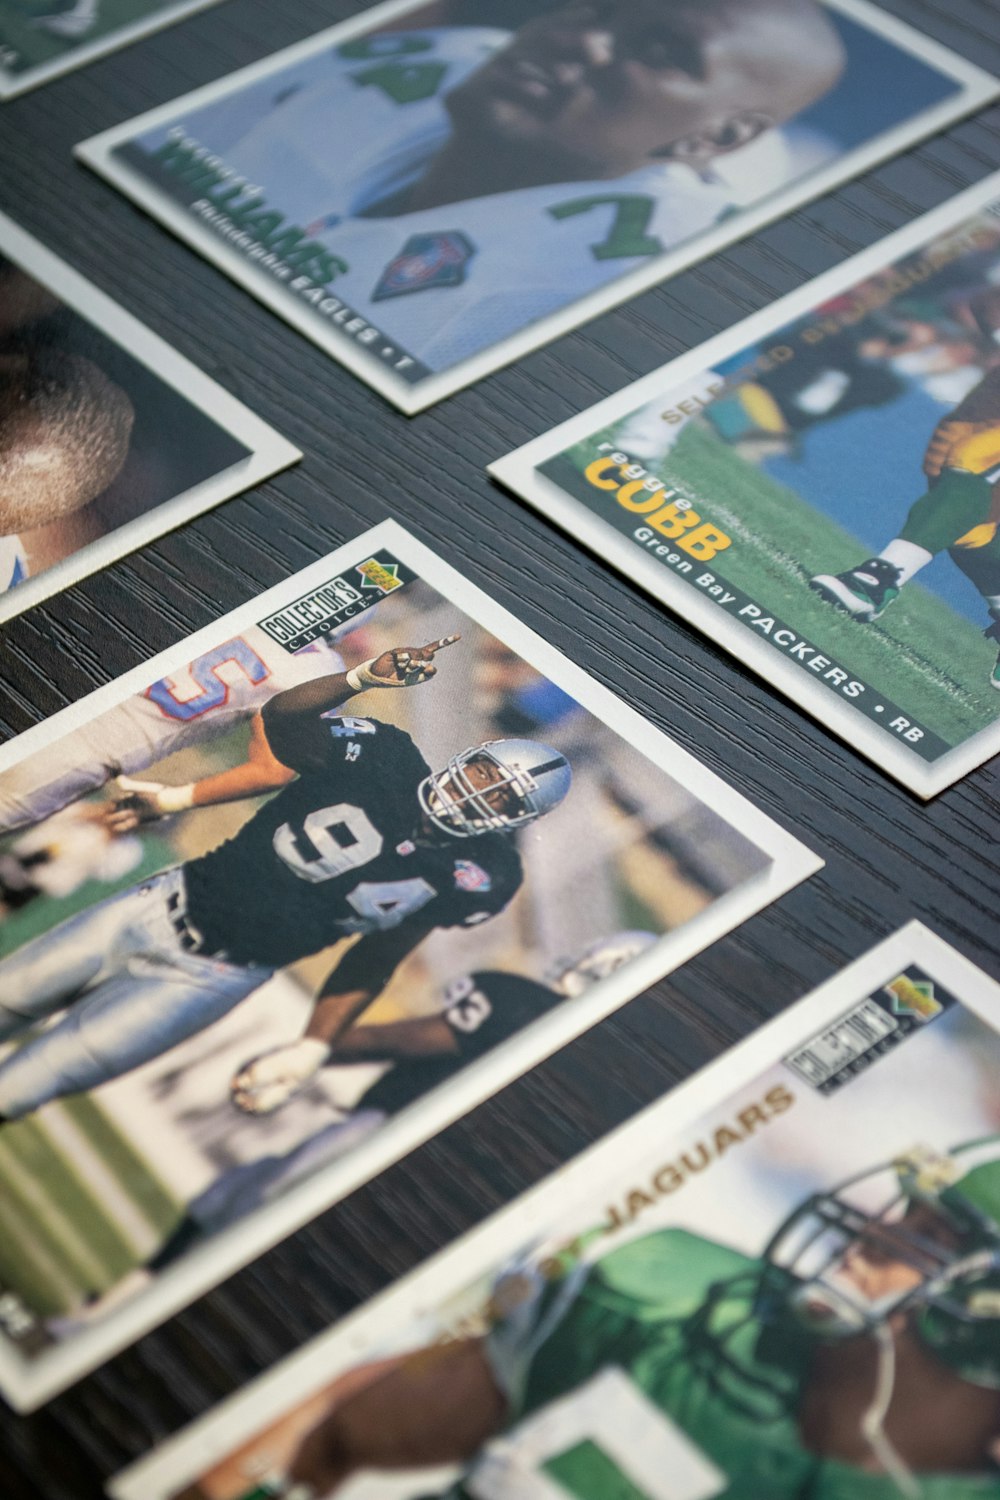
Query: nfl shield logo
x=426, y=260
x=471, y=877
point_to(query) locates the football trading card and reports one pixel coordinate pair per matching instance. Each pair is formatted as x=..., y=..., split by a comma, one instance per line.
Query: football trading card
x=818, y=490
x=298, y=893
x=780, y=1281
x=108, y=437
x=431, y=190
x=39, y=39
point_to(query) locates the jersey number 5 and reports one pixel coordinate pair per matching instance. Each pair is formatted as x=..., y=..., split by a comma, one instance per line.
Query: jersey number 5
x=168, y=694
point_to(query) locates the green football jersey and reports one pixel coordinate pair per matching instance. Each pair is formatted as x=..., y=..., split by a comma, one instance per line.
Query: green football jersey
x=650, y=1377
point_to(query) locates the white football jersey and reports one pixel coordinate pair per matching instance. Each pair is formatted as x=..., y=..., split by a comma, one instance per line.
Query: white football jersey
x=339, y=135
x=198, y=702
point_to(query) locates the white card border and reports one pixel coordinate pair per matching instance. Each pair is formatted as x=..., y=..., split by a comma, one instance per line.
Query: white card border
x=14, y=84
x=26, y=1384
x=210, y=1438
x=269, y=451
x=518, y=472
x=979, y=87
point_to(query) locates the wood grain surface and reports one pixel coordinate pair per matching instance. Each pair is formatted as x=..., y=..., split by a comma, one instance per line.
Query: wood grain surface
x=888, y=858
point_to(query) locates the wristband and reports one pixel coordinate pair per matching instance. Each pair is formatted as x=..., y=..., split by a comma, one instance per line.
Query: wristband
x=359, y=678
x=175, y=799
x=311, y=1050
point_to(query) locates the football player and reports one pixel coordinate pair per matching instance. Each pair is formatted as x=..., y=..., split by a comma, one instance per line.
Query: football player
x=201, y=700
x=418, y=1054
x=505, y=174
x=363, y=838
x=63, y=854
x=960, y=512
x=64, y=436
x=857, y=1356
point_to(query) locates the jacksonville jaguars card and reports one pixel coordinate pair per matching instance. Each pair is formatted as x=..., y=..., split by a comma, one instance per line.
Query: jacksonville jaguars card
x=285, y=901
x=431, y=190
x=783, y=1280
x=108, y=437
x=41, y=39
x=818, y=490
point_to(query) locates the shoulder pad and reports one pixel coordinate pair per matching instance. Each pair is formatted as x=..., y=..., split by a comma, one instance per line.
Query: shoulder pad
x=669, y=1271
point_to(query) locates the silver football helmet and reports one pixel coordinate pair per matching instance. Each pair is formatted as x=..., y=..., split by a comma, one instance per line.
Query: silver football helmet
x=529, y=780
x=598, y=960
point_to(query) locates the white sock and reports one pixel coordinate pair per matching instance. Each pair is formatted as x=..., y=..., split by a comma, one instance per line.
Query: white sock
x=907, y=557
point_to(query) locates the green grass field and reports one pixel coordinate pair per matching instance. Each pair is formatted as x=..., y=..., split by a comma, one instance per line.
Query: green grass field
x=929, y=660
x=79, y=1207
x=32, y=44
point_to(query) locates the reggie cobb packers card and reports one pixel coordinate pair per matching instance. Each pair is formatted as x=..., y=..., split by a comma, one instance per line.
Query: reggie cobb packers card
x=108, y=437
x=783, y=1280
x=431, y=190
x=41, y=39
x=282, y=903
x=818, y=489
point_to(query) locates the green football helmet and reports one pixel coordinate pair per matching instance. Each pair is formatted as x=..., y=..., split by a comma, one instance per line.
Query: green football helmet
x=938, y=1218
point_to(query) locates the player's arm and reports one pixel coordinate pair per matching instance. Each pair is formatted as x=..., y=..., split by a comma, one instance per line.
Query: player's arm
x=283, y=738
x=436, y=1406
x=395, y=1041
x=267, y=1082
x=978, y=412
x=290, y=715
x=144, y=802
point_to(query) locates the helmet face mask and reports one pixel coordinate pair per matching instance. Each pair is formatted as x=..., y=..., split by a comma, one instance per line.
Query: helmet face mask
x=525, y=781
x=883, y=1245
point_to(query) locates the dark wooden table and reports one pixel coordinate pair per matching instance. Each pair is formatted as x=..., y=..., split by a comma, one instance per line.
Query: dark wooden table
x=888, y=858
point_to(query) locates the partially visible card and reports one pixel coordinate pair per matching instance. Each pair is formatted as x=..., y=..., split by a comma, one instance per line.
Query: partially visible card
x=41, y=39
x=108, y=437
x=221, y=1063
x=773, y=1283
x=429, y=191
x=818, y=489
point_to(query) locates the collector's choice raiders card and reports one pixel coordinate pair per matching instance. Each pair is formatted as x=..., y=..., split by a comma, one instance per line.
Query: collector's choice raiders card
x=39, y=39
x=108, y=438
x=782, y=1281
x=279, y=905
x=818, y=489
x=431, y=190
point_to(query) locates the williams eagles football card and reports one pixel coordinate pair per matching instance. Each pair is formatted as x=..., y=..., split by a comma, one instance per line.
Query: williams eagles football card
x=429, y=191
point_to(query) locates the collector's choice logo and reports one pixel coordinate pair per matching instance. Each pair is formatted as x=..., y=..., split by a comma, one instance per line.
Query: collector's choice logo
x=332, y=604
x=879, y=1023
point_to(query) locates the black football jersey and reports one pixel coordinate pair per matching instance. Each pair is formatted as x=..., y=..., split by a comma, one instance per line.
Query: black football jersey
x=481, y=1010
x=339, y=851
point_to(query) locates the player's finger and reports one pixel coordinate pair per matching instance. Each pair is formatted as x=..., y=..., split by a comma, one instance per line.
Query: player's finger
x=120, y=822
x=433, y=647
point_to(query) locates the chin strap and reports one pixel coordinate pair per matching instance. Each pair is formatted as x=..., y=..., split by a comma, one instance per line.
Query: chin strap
x=873, y=1421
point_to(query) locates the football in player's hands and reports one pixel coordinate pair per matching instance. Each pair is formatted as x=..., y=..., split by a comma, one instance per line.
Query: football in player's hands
x=267, y=1082
x=404, y=666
